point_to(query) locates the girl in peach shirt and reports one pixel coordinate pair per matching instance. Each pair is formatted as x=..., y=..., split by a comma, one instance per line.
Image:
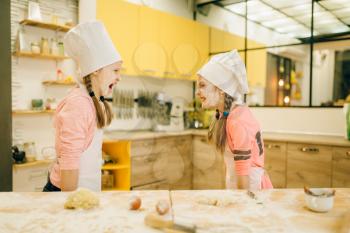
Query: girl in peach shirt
x=80, y=117
x=222, y=83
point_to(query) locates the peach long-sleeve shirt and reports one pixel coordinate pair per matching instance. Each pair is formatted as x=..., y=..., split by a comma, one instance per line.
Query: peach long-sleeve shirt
x=244, y=140
x=75, y=125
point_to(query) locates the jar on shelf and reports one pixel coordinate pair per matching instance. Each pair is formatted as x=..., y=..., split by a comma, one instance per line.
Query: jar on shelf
x=45, y=49
x=29, y=148
x=60, y=48
x=35, y=48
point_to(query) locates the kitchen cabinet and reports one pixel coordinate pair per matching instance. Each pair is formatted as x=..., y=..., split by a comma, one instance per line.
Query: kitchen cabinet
x=122, y=22
x=276, y=162
x=162, y=160
x=308, y=165
x=222, y=41
x=180, y=163
x=208, y=165
x=201, y=41
x=30, y=177
x=159, y=185
x=256, y=67
x=341, y=167
x=150, y=57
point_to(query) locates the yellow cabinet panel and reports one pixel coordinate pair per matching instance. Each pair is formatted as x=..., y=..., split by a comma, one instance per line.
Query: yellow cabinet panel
x=186, y=58
x=201, y=42
x=217, y=43
x=233, y=42
x=169, y=39
x=121, y=20
x=150, y=57
x=256, y=67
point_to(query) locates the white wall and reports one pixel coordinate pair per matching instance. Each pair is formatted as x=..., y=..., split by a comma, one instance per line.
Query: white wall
x=28, y=73
x=324, y=121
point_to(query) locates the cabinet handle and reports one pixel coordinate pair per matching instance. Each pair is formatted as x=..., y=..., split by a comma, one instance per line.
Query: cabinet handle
x=203, y=140
x=310, y=149
x=151, y=159
x=348, y=154
x=273, y=146
x=169, y=73
x=148, y=71
x=187, y=75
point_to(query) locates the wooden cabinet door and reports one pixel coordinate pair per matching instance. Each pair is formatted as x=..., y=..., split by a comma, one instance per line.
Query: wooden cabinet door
x=341, y=167
x=208, y=165
x=180, y=163
x=275, y=162
x=122, y=22
x=308, y=165
x=30, y=178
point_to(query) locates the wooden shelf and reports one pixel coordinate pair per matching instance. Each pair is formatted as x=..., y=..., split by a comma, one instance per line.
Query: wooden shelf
x=39, y=56
x=31, y=112
x=34, y=163
x=114, y=166
x=35, y=23
x=58, y=83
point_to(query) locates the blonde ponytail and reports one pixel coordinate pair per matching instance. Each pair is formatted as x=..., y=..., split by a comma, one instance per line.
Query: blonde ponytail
x=103, y=115
x=217, y=130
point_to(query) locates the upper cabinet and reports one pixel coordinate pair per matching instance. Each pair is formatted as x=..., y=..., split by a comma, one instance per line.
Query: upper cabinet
x=153, y=43
x=122, y=22
x=150, y=57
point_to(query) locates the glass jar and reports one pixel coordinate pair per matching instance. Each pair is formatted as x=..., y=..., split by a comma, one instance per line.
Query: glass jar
x=45, y=46
x=29, y=148
x=35, y=48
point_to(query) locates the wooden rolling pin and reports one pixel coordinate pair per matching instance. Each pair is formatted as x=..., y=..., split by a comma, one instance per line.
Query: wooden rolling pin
x=166, y=224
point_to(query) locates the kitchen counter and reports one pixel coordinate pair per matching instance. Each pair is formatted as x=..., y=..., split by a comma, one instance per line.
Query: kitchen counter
x=274, y=211
x=284, y=137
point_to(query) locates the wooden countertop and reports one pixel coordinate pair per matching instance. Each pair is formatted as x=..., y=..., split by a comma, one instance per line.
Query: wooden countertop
x=279, y=210
x=268, y=136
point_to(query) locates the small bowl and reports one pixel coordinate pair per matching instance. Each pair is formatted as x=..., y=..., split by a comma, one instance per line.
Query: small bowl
x=320, y=200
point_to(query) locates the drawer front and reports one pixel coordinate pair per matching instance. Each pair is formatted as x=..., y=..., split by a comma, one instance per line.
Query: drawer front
x=341, y=167
x=308, y=165
x=204, y=154
x=160, y=185
x=142, y=147
x=29, y=179
x=276, y=162
x=147, y=169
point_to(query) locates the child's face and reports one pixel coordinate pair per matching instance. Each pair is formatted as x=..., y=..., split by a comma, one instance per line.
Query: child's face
x=209, y=94
x=108, y=77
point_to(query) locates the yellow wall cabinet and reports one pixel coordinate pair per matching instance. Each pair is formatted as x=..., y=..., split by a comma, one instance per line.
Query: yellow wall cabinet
x=121, y=20
x=153, y=43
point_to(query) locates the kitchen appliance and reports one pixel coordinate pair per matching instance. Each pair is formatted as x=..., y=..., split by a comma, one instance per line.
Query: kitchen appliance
x=18, y=155
x=168, y=113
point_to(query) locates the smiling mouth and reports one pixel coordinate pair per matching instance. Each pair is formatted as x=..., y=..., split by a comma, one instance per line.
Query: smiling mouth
x=111, y=85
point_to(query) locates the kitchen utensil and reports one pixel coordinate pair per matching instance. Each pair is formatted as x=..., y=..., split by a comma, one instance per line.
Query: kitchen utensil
x=17, y=155
x=35, y=48
x=29, y=148
x=48, y=152
x=37, y=104
x=319, y=199
x=45, y=46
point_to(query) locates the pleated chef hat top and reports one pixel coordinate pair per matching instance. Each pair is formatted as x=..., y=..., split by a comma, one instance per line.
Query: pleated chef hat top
x=228, y=73
x=91, y=47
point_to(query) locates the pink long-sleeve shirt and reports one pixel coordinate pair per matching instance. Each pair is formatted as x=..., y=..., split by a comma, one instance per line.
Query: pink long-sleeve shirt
x=244, y=140
x=75, y=125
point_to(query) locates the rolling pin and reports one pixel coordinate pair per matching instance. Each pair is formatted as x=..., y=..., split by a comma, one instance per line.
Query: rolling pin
x=168, y=225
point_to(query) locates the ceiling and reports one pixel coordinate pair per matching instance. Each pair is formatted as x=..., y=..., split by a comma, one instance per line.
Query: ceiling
x=293, y=17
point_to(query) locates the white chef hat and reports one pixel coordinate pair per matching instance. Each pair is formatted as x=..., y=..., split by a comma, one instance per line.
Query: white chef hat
x=228, y=73
x=91, y=47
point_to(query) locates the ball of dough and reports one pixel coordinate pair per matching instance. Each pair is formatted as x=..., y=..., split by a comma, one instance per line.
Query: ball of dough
x=82, y=199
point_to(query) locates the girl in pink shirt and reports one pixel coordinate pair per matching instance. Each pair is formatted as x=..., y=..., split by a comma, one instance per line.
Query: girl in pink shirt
x=80, y=117
x=222, y=84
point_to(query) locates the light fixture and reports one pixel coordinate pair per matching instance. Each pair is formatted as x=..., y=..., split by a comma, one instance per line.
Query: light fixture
x=281, y=83
x=286, y=100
